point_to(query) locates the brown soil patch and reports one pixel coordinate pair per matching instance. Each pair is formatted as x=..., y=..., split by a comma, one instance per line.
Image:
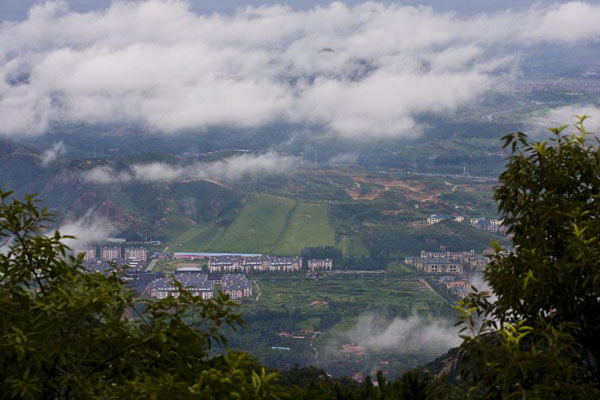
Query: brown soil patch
x=356, y=195
x=390, y=183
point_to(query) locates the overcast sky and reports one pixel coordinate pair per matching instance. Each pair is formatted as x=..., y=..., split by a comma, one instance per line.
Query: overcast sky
x=358, y=71
x=17, y=9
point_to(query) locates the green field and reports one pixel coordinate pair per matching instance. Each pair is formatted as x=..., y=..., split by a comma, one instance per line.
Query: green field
x=266, y=224
x=354, y=294
x=333, y=306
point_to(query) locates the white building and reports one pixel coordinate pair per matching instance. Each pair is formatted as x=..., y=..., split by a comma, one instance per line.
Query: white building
x=110, y=253
x=90, y=253
x=136, y=253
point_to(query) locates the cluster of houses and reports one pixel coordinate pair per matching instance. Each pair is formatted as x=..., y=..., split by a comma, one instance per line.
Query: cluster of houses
x=200, y=284
x=245, y=263
x=432, y=262
x=302, y=334
x=254, y=264
x=458, y=287
x=484, y=224
x=135, y=258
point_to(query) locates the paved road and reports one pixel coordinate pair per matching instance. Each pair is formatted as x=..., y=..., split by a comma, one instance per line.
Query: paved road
x=151, y=265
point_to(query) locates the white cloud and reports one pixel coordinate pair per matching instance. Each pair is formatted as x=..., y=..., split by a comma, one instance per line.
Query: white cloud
x=566, y=115
x=232, y=168
x=105, y=174
x=50, y=155
x=412, y=333
x=157, y=63
x=88, y=229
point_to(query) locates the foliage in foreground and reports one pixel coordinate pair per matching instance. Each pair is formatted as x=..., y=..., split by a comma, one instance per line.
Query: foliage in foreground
x=71, y=334
x=539, y=337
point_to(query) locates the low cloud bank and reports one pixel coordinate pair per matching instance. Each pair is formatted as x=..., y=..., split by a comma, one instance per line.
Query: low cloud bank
x=405, y=334
x=50, y=155
x=566, y=115
x=360, y=72
x=88, y=229
x=233, y=168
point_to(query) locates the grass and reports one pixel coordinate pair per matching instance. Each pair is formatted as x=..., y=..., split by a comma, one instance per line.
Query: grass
x=350, y=295
x=399, y=267
x=259, y=225
x=308, y=226
x=266, y=224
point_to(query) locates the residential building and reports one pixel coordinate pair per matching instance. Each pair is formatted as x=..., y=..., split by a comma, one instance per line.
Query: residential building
x=110, y=253
x=196, y=283
x=204, y=255
x=236, y=286
x=442, y=266
x=435, y=218
x=90, y=253
x=314, y=264
x=285, y=264
x=136, y=253
x=224, y=264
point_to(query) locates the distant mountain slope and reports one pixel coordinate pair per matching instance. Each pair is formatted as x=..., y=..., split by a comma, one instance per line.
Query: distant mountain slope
x=266, y=224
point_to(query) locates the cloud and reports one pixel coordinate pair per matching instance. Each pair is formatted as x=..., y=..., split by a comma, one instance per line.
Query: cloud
x=105, y=174
x=87, y=230
x=400, y=334
x=50, y=155
x=344, y=159
x=232, y=168
x=566, y=115
x=359, y=72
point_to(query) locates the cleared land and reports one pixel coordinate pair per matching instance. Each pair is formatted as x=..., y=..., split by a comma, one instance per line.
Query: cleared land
x=266, y=224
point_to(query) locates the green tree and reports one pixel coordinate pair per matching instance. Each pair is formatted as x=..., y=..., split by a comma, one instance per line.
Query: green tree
x=69, y=334
x=538, y=338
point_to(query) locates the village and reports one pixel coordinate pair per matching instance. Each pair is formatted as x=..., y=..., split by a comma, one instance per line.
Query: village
x=489, y=225
x=224, y=271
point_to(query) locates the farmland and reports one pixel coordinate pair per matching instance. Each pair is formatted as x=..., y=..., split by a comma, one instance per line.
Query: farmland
x=267, y=224
x=332, y=306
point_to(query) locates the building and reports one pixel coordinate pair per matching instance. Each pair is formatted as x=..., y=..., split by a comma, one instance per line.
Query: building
x=449, y=255
x=136, y=253
x=236, y=286
x=442, y=266
x=110, y=253
x=97, y=265
x=435, y=218
x=224, y=264
x=445, y=261
x=285, y=264
x=315, y=264
x=196, y=283
x=253, y=263
x=203, y=255
x=90, y=253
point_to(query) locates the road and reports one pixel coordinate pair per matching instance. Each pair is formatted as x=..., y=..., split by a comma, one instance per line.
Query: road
x=151, y=265
x=257, y=291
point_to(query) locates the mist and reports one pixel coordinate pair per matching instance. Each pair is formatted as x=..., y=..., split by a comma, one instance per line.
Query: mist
x=405, y=334
x=230, y=169
x=87, y=229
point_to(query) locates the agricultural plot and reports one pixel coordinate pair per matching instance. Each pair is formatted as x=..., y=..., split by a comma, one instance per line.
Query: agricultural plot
x=266, y=224
x=322, y=313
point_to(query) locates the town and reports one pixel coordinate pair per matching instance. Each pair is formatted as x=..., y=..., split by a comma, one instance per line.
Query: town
x=224, y=271
x=489, y=225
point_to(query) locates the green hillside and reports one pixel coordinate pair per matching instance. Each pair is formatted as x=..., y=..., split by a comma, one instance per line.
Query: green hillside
x=266, y=224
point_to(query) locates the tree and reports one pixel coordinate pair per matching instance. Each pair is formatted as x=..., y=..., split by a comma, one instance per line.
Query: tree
x=539, y=337
x=69, y=334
